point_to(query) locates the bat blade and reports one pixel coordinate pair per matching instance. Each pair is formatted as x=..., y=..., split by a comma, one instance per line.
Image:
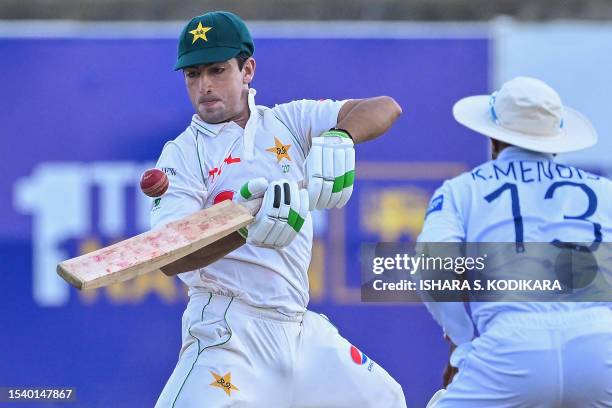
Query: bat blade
x=152, y=250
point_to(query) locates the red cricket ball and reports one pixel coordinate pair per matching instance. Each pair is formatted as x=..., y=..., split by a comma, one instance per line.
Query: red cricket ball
x=154, y=182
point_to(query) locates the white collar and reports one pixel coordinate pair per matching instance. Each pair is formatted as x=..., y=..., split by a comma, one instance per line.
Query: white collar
x=213, y=129
x=518, y=153
x=209, y=129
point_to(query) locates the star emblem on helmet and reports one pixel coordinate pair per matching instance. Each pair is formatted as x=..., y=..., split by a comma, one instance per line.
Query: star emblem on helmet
x=200, y=32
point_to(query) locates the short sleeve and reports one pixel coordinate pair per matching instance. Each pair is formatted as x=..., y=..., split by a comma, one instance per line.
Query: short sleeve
x=443, y=220
x=444, y=223
x=306, y=119
x=186, y=191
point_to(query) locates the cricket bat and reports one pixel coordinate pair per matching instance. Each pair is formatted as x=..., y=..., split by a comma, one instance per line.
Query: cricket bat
x=152, y=250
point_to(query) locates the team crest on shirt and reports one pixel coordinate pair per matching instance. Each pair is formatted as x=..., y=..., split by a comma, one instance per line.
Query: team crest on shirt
x=224, y=382
x=280, y=150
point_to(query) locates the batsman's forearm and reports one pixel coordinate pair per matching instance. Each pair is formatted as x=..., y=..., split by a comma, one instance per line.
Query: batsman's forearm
x=370, y=118
x=206, y=255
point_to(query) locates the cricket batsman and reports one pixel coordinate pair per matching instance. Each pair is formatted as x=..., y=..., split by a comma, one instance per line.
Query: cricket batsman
x=248, y=338
x=527, y=354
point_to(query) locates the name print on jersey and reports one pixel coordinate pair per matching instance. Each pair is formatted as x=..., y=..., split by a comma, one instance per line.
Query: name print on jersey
x=529, y=171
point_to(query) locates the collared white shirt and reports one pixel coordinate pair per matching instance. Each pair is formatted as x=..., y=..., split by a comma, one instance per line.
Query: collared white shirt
x=523, y=196
x=206, y=164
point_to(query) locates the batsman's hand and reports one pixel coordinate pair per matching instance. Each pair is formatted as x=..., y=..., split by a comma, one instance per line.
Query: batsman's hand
x=330, y=170
x=282, y=214
x=448, y=375
x=449, y=371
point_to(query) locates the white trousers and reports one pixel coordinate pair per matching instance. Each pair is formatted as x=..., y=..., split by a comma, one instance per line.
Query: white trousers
x=236, y=355
x=537, y=360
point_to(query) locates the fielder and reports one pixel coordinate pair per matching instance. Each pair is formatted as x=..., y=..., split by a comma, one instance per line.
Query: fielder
x=248, y=339
x=527, y=354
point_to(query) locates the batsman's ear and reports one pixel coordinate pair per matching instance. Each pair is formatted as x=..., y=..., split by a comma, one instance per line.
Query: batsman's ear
x=248, y=71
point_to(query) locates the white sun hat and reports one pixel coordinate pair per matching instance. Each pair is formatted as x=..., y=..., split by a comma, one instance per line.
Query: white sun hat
x=528, y=113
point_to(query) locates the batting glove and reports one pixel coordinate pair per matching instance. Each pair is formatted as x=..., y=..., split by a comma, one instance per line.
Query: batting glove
x=330, y=169
x=282, y=214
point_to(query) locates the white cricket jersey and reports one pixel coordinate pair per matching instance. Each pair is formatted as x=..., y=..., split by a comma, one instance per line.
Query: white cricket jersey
x=207, y=163
x=523, y=196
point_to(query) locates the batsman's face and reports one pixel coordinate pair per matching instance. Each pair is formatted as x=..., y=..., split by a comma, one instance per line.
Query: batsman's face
x=218, y=92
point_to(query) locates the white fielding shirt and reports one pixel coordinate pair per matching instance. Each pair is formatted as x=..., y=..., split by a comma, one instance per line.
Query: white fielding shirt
x=206, y=164
x=545, y=193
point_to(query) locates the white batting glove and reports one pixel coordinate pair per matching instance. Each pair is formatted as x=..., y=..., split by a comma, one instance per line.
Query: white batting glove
x=282, y=214
x=251, y=191
x=330, y=170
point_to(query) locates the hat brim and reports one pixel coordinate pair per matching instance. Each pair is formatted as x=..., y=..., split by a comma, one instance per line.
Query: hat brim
x=577, y=133
x=205, y=56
